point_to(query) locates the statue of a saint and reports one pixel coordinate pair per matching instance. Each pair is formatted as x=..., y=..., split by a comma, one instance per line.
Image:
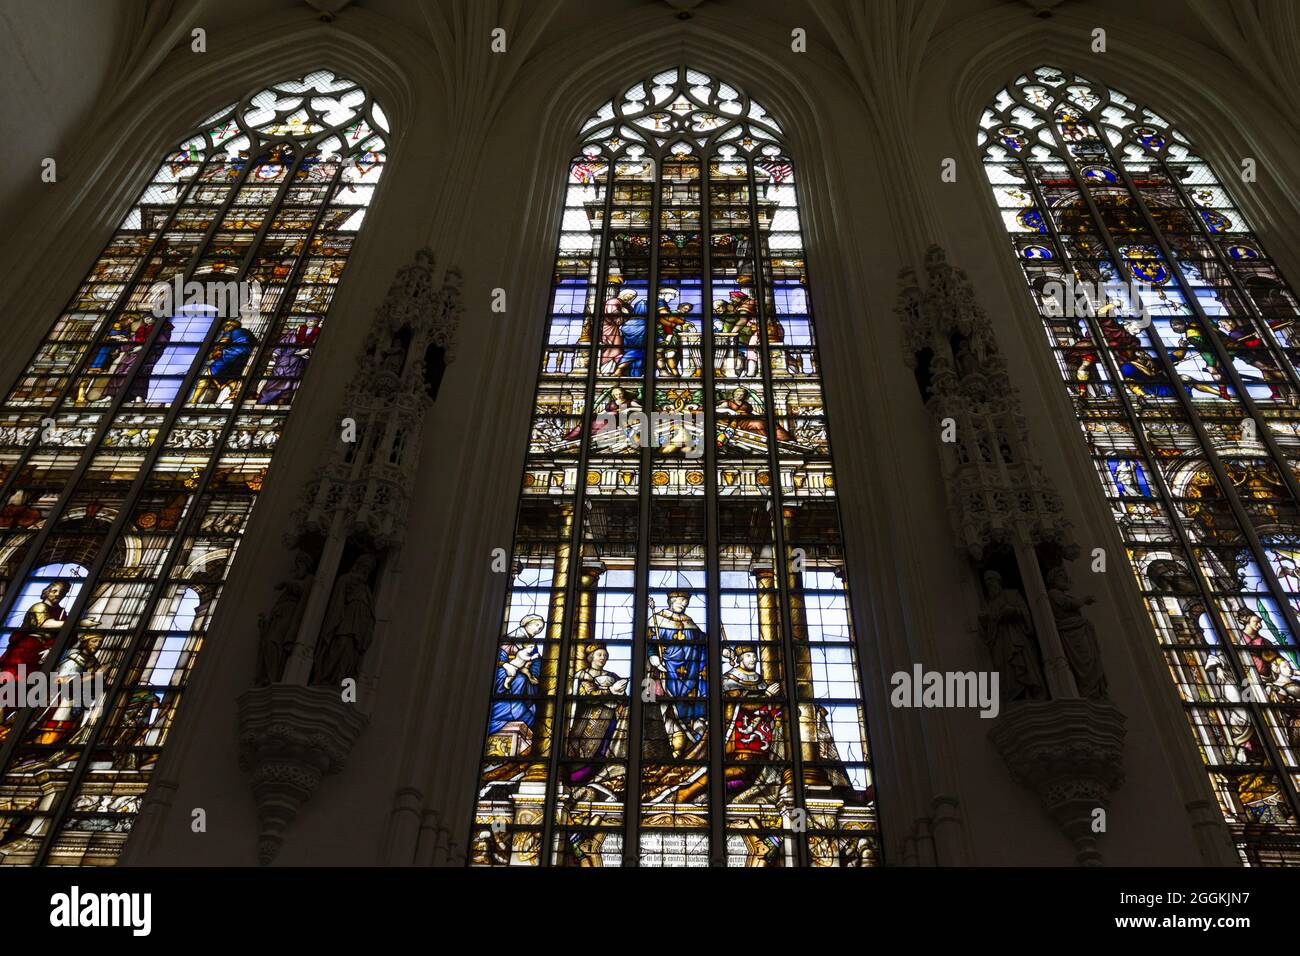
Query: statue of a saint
x=349, y=625
x=279, y=629
x=1078, y=636
x=1008, y=632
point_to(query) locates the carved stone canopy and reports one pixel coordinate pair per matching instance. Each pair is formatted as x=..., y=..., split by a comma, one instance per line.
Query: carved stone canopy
x=997, y=491
x=368, y=477
x=1066, y=749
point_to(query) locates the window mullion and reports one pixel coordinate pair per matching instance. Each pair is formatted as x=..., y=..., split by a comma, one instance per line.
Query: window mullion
x=641, y=619
x=712, y=572
x=780, y=558
x=573, y=586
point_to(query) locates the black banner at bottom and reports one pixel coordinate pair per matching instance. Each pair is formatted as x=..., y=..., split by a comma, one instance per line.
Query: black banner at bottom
x=509, y=907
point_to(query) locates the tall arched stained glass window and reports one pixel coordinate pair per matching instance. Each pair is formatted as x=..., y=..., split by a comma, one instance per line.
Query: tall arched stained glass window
x=1175, y=336
x=133, y=447
x=676, y=681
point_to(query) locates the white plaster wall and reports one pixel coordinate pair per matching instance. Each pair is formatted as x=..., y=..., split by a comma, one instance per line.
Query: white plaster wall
x=56, y=58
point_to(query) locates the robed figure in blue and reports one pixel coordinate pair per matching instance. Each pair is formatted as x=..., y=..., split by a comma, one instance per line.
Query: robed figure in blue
x=632, y=361
x=634, y=330
x=678, y=658
x=225, y=364
x=519, y=664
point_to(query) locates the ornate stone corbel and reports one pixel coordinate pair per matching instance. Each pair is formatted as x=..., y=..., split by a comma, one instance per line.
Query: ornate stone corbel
x=290, y=736
x=1070, y=753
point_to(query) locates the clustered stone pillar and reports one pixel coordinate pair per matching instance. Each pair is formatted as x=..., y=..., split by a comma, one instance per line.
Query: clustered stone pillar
x=316, y=668
x=1065, y=746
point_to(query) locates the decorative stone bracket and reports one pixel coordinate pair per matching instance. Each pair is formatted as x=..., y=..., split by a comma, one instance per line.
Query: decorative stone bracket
x=290, y=736
x=1070, y=753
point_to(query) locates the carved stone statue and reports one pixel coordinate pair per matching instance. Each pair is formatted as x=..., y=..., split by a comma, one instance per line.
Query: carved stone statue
x=968, y=362
x=394, y=357
x=1078, y=636
x=1008, y=631
x=349, y=625
x=278, y=629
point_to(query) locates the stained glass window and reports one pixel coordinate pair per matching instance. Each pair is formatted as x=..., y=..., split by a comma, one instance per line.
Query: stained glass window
x=1175, y=337
x=134, y=446
x=676, y=681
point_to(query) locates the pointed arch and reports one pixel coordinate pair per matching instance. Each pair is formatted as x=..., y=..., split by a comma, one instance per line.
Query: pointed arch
x=676, y=681
x=139, y=435
x=1173, y=333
